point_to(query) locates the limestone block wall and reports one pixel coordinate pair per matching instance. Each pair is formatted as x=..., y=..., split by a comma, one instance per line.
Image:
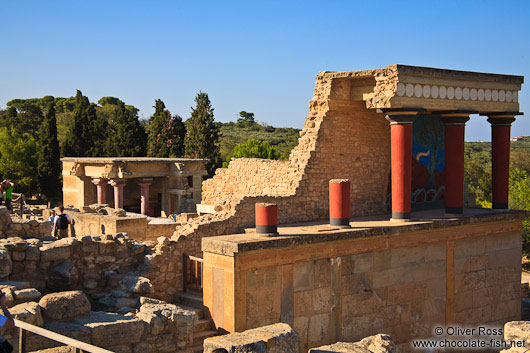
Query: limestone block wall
x=95, y=264
x=401, y=283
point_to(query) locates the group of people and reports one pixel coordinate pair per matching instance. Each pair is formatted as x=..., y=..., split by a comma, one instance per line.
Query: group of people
x=6, y=187
x=60, y=222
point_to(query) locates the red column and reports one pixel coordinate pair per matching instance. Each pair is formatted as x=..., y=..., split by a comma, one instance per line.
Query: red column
x=101, y=186
x=266, y=218
x=401, y=162
x=144, y=198
x=118, y=185
x=455, y=124
x=339, y=202
x=500, y=158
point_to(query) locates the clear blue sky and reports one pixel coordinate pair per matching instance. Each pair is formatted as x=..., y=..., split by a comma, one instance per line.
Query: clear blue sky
x=247, y=55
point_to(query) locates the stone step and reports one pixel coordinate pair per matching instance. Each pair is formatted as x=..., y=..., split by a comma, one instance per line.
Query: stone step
x=199, y=312
x=191, y=299
x=198, y=338
x=203, y=325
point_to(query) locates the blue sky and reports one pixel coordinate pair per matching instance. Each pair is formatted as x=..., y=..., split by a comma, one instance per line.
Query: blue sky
x=248, y=55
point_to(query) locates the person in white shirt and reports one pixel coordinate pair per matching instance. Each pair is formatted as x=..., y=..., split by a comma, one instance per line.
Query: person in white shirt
x=61, y=222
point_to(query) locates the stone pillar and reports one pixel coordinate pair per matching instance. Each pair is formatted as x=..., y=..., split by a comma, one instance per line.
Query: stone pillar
x=500, y=156
x=144, y=186
x=339, y=202
x=118, y=185
x=455, y=124
x=266, y=218
x=401, y=121
x=101, y=186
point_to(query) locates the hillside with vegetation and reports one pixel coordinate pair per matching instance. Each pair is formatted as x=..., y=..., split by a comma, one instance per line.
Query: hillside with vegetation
x=478, y=176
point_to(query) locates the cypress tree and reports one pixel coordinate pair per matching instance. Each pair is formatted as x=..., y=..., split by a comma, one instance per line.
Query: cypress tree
x=127, y=136
x=48, y=158
x=100, y=134
x=202, y=137
x=78, y=140
x=166, y=133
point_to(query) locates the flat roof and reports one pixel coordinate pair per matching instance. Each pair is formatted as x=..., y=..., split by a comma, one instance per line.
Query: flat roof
x=105, y=160
x=361, y=227
x=430, y=72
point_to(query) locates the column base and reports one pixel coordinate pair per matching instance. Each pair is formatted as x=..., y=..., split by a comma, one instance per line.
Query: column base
x=342, y=223
x=454, y=210
x=267, y=229
x=400, y=217
x=500, y=206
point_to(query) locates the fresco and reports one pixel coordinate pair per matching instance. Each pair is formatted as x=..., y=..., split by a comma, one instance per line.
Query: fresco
x=428, y=161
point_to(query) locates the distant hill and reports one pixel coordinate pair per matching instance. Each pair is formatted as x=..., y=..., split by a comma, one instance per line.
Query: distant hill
x=283, y=139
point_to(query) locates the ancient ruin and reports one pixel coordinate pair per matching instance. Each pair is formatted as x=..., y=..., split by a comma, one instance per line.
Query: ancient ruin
x=150, y=186
x=363, y=235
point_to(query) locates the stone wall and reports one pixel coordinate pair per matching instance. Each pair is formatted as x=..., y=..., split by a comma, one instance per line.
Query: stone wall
x=340, y=139
x=397, y=280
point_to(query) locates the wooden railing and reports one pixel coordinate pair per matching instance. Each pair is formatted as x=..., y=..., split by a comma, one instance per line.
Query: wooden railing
x=78, y=345
x=192, y=272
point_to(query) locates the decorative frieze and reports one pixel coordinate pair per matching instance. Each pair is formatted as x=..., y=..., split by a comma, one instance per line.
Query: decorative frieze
x=418, y=90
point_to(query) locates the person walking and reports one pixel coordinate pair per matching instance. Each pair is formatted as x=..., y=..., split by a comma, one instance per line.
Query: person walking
x=8, y=185
x=61, y=223
x=1, y=193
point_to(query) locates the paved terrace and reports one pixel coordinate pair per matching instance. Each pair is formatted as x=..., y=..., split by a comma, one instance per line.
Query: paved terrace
x=321, y=231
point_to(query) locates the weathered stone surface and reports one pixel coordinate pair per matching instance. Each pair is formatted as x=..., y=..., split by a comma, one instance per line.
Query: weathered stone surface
x=27, y=295
x=136, y=284
x=110, y=329
x=63, y=277
x=373, y=344
x=57, y=251
x=277, y=338
x=28, y=312
x=158, y=316
x=517, y=331
x=5, y=263
x=64, y=305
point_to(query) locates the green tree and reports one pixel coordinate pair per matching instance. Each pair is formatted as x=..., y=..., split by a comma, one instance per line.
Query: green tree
x=166, y=133
x=79, y=140
x=18, y=159
x=202, y=137
x=253, y=149
x=49, y=164
x=245, y=117
x=127, y=136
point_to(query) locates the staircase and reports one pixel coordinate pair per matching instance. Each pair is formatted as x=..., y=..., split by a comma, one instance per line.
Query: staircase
x=205, y=328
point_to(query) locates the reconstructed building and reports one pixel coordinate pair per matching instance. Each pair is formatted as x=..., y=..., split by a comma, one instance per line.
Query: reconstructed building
x=413, y=258
x=151, y=186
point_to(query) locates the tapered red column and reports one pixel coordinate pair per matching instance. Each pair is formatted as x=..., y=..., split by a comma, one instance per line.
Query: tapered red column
x=144, y=184
x=500, y=157
x=118, y=185
x=401, y=161
x=455, y=125
x=101, y=186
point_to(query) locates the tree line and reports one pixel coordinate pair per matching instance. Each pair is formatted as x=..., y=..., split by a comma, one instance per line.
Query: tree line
x=36, y=133
x=478, y=175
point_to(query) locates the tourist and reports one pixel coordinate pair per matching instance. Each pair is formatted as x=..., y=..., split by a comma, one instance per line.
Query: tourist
x=52, y=220
x=1, y=193
x=8, y=186
x=6, y=347
x=61, y=223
